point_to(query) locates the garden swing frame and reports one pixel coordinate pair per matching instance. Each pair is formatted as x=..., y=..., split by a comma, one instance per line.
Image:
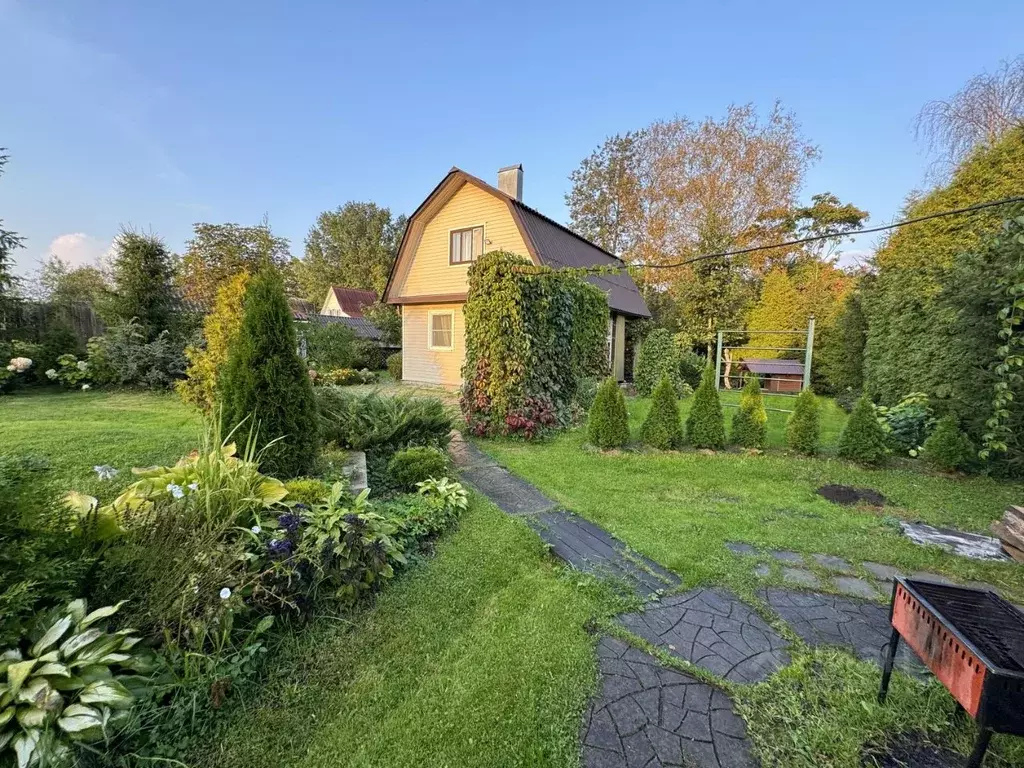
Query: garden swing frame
x=807, y=349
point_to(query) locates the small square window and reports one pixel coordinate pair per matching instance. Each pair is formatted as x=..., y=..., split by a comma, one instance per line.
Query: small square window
x=465, y=245
x=440, y=331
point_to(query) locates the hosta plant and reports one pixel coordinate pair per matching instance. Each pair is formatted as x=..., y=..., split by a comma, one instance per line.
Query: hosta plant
x=71, y=682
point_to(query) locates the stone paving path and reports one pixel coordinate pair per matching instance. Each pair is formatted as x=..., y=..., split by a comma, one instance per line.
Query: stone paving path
x=650, y=716
x=860, y=626
x=585, y=546
x=713, y=629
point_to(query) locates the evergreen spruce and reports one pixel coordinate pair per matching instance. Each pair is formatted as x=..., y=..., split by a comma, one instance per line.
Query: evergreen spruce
x=705, y=426
x=863, y=439
x=608, y=423
x=142, y=276
x=750, y=424
x=948, y=448
x=802, y=427
x=265, y=381
x=662, y=428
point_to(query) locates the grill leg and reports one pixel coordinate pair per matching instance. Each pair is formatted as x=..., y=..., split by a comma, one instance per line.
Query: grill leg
x=980, y=746
x=890, y=657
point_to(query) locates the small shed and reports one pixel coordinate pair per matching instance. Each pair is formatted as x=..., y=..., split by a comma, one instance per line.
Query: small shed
x=785, y=376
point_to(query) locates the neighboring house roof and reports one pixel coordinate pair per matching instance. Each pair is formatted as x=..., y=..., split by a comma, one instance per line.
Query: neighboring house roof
x=362, y=327
x=352, y=300
x=550, y=244
x=302, y=309
x=774, y=367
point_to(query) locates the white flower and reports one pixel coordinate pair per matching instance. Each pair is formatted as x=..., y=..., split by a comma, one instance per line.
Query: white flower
x=256, y=529
x=193, y=486
x=105, y=472
x=51, y=374
x=225, y=593
x=86, y=387
x=82, y=365
x=19, y=364
x=175, y=490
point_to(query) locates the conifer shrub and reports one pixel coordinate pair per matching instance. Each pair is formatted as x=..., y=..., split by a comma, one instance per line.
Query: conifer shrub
x=750, y=424
x=662, y=428
x=395, y=366
x=266, y=381
x=802, y=427
x=863, y=439
x=608, y=423
x=948, y=448
x=416, y=464
x=658, y=357
x=705, y=426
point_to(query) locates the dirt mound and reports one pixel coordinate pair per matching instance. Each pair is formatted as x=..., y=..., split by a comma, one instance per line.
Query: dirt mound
x=845, y=494
x=910, y=750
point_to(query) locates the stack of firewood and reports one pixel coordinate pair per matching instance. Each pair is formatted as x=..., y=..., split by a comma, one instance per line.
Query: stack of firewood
x=1010, y=531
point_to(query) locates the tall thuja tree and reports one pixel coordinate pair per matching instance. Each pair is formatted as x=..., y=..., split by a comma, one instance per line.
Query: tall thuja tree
x=9, y=242
x=778, y=309
x=750, y=424
x=705, y=426
x=266, y=382
x=142, y=275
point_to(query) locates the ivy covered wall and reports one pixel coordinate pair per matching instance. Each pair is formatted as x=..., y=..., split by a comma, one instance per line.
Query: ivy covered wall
x=533, y=334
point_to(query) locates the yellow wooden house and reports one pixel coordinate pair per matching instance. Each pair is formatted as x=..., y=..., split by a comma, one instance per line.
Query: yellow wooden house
x=461, y=219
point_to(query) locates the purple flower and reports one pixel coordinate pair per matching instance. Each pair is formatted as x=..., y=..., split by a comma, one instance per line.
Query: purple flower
x=290, y=521
x=279, y=547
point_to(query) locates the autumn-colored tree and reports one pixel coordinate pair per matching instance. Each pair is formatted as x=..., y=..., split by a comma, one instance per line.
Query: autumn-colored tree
x=779, y=309
x=218, y=252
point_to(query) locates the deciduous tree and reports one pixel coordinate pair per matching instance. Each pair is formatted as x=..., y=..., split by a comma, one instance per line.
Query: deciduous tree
x=142, y=275
x=9, y=242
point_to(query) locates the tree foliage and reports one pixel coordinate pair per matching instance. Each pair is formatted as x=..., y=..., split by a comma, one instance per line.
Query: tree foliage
x=658, y=358
x=839, y=351
x=909, y=330
x=65, y=285
x=605, y=199
x=265, y=386
x=863, y=439
x=353, y=245
x=9, y=242
x=608, y=422
x=662, y=428
x=777, y=310
x=750, y=424
x=142, y=275
x=220, y=331
x=802, y=429
x=218, y=252
x=948, y=448
x=705, y=426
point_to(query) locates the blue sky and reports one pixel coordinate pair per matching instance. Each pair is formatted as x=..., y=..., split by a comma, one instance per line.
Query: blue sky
x=161, y=114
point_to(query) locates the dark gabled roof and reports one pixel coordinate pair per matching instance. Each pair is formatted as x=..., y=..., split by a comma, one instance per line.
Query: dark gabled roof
x=362, y=327
x=774, y=367
x=302, y=309
x=560, y=247
x=352, y=300
x=551, y=244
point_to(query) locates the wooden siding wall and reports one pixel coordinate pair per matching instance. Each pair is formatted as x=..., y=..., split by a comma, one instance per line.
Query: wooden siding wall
x=430, y=366
x=430, y=274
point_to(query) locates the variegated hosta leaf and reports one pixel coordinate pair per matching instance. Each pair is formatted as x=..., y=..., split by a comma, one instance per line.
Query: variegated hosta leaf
x=17, y=674
x=25, y=746
x=100, y=613
x=34, y=691
x=109, y=692
x=51, y=656
x=81, y=504
x=53, y=669
x=9, y=657
x=75, y=643
x=5, y=736
x=56, y=631
x=94, y=673
x=77, y=610
x=6, y=715
x=31, y=717
x=79, y=717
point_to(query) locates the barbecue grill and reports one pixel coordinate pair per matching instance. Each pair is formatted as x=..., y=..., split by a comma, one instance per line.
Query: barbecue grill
x=973, y=642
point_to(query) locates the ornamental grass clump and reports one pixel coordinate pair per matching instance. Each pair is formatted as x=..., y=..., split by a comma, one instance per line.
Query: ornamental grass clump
x=947, y=448
x=705, y=426
x=608, y=423
x=802, y=427
x=662, y=428
x=750, y=424
x=864, y=439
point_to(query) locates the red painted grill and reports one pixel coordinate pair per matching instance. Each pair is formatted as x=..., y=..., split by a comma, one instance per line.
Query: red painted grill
x=973, y=642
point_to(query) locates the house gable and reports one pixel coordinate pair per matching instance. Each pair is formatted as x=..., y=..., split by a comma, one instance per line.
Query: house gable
x=423, y=268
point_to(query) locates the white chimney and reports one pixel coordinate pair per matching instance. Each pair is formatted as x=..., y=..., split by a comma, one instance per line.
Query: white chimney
x=510, y=181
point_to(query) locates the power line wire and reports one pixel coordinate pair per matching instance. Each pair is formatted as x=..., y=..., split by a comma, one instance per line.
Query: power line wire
x=816, y=238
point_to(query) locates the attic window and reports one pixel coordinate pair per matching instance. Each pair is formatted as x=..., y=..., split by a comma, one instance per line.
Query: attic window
x=465, y=245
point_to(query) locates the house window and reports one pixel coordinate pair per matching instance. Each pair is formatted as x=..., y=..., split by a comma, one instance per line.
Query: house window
x=465, y=245
x=440, y=326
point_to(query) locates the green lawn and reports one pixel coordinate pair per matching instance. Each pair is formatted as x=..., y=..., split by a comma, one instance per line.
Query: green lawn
x=478, y=657
x=76, y=431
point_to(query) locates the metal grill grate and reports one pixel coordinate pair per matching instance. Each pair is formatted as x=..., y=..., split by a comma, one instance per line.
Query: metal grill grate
x=993, y=625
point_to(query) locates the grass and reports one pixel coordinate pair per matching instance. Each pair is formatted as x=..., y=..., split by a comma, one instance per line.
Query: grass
x=76, y=431
x=478, y=657
x=681, y=508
